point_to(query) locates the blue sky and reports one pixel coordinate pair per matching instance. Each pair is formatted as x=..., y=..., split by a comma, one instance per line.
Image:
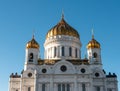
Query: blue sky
x=18, y=19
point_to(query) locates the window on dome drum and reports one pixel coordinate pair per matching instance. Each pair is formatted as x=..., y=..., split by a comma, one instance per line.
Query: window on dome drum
x=43, y=87
x=70, y=51
x=97, y=88
x=29, y=89
x=31, y=57
x=76, y=53
x=54, y=51
x=63, y=87
x=16, y=90
x=95, y=55
x=83, y=87
x=63, y=51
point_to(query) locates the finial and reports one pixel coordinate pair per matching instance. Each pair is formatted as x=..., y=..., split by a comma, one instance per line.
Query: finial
x=33, y=34
x=92, y=33
x=62, y=14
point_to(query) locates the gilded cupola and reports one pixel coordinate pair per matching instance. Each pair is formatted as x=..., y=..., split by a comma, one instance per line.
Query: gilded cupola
x=32, y=43
x=62, y=28
x=93, y=43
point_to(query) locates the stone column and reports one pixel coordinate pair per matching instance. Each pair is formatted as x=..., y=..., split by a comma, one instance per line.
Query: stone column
x=52, y=50
x=56, y=52
x=60, y=51
x=73, y=52
x=87, y=86
x=55, y=87
x=71, y=87
x=78, y=55
x=51, y=83
x=35, y=81
x=65, y=87
x=21, y=84
x=75, y=84
x=40, y=87
x=66, y=51
x=48, y=53
x=101, y=88
x=80, y=87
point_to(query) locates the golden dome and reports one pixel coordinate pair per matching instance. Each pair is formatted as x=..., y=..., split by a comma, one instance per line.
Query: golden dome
x=62, y=28
x=93, y=43
x=32, y=44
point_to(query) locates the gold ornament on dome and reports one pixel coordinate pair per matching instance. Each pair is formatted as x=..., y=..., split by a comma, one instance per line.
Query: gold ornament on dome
x=32, y=44
x=62, y=28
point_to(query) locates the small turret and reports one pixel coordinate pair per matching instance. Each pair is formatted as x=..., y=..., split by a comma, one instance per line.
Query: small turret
x=94, y=51
x=32, y=52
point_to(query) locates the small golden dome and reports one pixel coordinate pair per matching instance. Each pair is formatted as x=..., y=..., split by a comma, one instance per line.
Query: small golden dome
x=32, y=44
x=62, y=28
x=93, y=43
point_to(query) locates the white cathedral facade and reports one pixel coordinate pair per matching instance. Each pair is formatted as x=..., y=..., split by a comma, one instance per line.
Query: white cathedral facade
x=62, y=68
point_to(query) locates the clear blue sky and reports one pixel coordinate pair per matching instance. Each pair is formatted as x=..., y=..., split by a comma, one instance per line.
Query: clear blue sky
x=18, y=19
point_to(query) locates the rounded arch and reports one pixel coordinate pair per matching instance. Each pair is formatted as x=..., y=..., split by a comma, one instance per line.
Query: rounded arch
x=95, y=55
x=98, y=73
x=87, y=70
x=69, y=66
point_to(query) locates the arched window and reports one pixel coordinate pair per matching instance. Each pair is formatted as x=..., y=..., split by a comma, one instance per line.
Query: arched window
x=16, y=90
x=31, y=57
x=63, y=51
x=54, y=51
x=43, y=87
x=29, y=89
x=95, y=55
x=76, y=55
x=83, y=87
x=70, y=51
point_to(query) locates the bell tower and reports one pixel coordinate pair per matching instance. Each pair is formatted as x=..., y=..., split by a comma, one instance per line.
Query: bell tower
x=94, y=51
x=32, y=53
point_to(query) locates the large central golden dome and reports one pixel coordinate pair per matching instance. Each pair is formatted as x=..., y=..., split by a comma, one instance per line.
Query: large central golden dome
x=62, y=28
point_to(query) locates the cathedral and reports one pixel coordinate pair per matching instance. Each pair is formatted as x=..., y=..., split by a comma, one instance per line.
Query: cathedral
x=62, y=68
